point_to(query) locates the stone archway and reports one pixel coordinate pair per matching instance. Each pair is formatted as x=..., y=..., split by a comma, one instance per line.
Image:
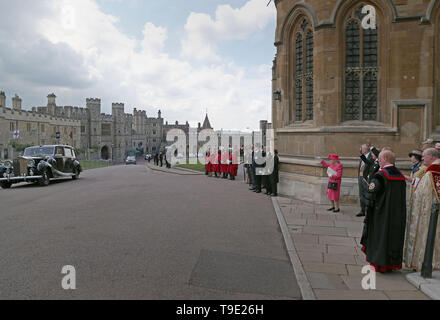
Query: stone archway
x=105, y=154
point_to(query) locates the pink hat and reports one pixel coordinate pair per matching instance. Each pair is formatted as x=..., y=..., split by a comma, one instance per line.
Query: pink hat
x=333, y=157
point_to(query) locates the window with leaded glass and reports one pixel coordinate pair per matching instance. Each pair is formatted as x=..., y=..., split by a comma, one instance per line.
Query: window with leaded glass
x=361, y=69
x=303, y=78
x=309, y=76
x=298, y=77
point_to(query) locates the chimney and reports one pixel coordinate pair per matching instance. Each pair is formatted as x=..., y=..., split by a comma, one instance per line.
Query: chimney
x=16, y=103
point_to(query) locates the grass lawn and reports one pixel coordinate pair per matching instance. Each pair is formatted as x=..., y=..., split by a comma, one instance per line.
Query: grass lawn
x=86, y=165
x=197, y=167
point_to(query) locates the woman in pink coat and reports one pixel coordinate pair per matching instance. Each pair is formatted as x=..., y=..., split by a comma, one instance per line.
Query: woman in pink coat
x=334, y=181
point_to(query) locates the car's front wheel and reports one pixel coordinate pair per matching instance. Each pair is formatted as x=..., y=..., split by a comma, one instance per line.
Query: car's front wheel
x=76, y=173
x=44, y=180
x=5, y=185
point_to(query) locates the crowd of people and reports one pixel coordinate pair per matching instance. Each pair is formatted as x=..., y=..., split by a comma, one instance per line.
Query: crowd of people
x=394, y=234
x=221, y=164
x=257, y=174
x=160, y=159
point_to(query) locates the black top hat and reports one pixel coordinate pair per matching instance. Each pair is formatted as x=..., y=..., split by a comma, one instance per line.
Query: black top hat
x=375, y=151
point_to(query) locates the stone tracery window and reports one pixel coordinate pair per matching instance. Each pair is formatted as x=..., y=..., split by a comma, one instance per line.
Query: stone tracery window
x=361, y=70
x=303, y=78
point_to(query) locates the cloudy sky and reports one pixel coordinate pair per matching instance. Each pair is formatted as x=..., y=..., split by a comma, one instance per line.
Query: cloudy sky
x=183, y=57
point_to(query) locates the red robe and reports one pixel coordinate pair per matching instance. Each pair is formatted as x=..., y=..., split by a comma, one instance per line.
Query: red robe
x=219, y=162
x=233, y=166
x=208, y=165
x=213, y=164
x=224, y=163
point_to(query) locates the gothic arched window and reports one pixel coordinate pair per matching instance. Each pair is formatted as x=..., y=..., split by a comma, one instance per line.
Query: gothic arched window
x=303, y=79
x=361, y=70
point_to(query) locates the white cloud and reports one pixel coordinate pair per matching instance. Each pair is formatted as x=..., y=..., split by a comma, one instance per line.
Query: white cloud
x=81, y=53
x=203, y=33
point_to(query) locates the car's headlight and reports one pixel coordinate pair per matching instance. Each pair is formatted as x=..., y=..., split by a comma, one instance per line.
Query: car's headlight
x=31, y=163
x=8, y=164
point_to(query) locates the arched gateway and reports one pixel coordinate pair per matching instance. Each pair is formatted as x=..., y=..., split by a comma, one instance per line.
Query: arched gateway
x=105, y=153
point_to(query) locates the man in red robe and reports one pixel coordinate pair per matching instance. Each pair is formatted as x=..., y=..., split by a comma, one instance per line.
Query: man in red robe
x=218, y=165
x=224, y=164
x=214, y=163
x=208, y=165
x=233, y=165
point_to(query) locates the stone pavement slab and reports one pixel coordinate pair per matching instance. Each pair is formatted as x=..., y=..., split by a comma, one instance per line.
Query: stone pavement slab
x=320, y=223
x=334, y=249
x=325, y=230
x=326, y=281
x=339, y=258
x=328, y=247
x=331, y=268
x=350, y=295
x=431, y=287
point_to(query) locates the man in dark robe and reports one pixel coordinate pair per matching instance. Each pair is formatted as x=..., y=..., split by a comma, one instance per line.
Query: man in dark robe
x=274, y=177
x=384, y=231
x=251, y=171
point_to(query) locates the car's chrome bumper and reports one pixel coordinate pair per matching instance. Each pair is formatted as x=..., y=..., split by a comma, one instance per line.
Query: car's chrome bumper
x=20, y=178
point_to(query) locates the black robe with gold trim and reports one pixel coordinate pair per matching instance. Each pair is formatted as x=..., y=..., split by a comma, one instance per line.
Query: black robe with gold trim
x=384, y=232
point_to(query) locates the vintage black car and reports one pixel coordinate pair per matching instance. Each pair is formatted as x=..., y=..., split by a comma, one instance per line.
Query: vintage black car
x=41, y=164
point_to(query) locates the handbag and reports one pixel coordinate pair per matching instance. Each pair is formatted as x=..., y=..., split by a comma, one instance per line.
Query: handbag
x=333, y=185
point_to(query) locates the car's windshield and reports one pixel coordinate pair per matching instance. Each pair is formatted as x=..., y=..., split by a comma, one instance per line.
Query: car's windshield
x=38, y=151
x=130, y=158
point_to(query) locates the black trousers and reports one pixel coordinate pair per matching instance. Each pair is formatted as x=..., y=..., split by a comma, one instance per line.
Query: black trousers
x=251, y=172
x=266, y=183
x=273, y=184
x=362, y=190
x=258, y=181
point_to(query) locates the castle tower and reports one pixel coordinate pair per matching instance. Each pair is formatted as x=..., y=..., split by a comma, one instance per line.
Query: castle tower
x=94, y=121
x=16, y=103
x=118, y=131
x=206, y=123
x=2, y=99
x=51, y=104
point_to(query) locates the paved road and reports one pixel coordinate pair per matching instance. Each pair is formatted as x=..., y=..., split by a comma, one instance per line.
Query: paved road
x=134, y=233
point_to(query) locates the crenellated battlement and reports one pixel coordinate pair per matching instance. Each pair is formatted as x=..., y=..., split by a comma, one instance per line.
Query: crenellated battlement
x=93, y=100
x=25, y=115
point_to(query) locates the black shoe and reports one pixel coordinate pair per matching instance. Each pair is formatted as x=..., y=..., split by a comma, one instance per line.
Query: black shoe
x=331, y=209
x=258, y=191
x=336, y=211
x=360, y=214
x=274, y=195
